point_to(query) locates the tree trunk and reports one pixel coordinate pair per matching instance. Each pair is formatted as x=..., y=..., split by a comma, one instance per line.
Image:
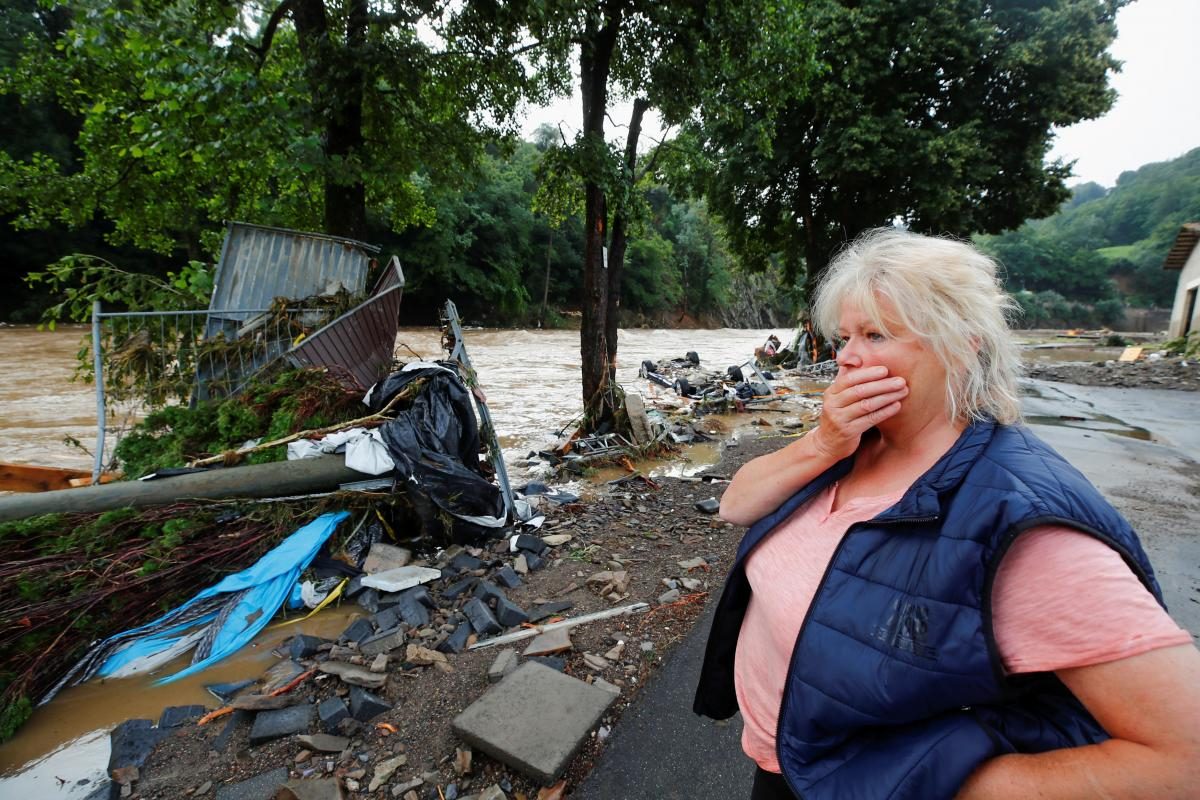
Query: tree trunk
x=335, y=79
x=595, y=59
x=546, y=282
x=618, y=240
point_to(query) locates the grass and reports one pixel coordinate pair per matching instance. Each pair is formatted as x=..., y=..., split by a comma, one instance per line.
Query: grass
x=1117, y=252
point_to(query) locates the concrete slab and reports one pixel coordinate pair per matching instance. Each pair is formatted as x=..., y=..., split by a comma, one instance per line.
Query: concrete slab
x=269, y=725
x=534, y=720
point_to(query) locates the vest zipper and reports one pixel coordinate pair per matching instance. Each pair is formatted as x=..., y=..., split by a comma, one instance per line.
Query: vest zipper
x=804, y=624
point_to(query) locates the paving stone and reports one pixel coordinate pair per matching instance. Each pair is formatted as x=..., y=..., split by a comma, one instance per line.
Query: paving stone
x=281, y=675
x=384, y=642
x=534, y=561
x=465, y=562
x=263, y=702
x=505, y=663
x=175, y=716
x=488, y=592
x=257, y=788
x=369, y=599
x=458, y=588
x=227, y=691
x=270, y=725
x=383, y=557
x=353, y=674
x=481, y=617
x=529, y=543
x=305, y=646
x=354, y=588
x=412, y=610
x=358, y=630
x=311, y=789
x=507, y=577
x=534, y=720
x=237, y=718
x=365, y=706
x=556, y=663
x=710, y=505
x=420, y=595
x=549, y=643
x=332, y=711
x=397, y=580
x=509, y=614
x=541, y=612
x=131, y=743
x=457, y=640
x=386, y=619
x=324, y=743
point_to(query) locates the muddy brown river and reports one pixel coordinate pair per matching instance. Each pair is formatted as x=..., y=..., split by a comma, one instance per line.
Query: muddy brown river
x=531, y=379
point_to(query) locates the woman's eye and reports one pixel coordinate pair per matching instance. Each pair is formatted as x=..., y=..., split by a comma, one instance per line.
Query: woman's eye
x=875, y=337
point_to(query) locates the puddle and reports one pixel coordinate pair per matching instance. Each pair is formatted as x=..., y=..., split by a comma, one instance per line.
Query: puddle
x=66, y=741
x=1100, y=423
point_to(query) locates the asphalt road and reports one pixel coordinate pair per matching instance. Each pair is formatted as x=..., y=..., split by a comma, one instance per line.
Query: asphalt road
x=662, y=751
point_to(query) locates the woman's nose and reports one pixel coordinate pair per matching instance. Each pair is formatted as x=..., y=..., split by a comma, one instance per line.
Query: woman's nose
x=848, y=355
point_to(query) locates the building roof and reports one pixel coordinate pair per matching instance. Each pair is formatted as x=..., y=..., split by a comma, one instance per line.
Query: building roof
x=1189, y=234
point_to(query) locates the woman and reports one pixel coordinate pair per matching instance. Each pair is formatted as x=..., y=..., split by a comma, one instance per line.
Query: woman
x=930, y=603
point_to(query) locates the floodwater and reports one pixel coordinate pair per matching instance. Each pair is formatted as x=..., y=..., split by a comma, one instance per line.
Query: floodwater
x=531, y=379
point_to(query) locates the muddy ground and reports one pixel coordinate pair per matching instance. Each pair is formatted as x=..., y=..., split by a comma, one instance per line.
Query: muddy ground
x=1163, y=373
x=643, y=529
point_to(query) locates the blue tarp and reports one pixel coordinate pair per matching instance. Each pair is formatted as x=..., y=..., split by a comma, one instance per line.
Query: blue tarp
x=255, y=594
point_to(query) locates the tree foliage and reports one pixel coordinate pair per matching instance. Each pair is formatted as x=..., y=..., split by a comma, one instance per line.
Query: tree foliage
x=934, y=113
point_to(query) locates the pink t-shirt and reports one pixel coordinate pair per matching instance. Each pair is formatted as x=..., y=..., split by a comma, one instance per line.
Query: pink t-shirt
x=1061, y=599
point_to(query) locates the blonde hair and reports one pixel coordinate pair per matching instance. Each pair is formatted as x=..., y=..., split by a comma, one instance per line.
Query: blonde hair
x=946, y=293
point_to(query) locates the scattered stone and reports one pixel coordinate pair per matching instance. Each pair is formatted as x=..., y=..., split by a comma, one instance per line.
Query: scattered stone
x=534, y=561
x=332, y=711
x=667, y=598
x=709, y=505
x=549, y=643
x=380, y=663
x=281, y=675
x=509, y=614
x=556, y=663
x=691, y=584
x=369, y=599
x=324, y=743
x=302, y=756
x=383, y=557
x=131, y=743
x=258, y=787
x=454, y=590
x=384, y=771
x=401, y=578
x=271, y=725
x=521, y=565
x=175, y=716
x=493, y=792
x=527, y=542
x=311, y=789
x=407, y=786
x=456, y=642
x=489, y=592
x=540, y=612
x=481, y=617
x=599, y=682
x=505, y=663
x=124, y=776
x=386, y=619
x=693, y=563
x=617, y=650
x=465, y=562
x=202, y=789
x=365, y=706
x=226, y=691
x=594, y=661
x=610, y=581
x=221, y=741
x=507, y=577
x=384, y=642
x=556, y=539
x=305, y=646
x=423, y=656
x=534, y=720
x=412, y=609
x=353, y=674
x=451, y=792
x=462, y=761
x=263, y=702
x=556, y=792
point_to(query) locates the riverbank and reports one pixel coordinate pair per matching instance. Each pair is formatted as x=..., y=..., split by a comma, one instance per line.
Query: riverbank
x=1175, y=373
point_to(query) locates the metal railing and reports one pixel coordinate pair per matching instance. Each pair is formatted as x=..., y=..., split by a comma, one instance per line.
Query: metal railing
x=157, y=358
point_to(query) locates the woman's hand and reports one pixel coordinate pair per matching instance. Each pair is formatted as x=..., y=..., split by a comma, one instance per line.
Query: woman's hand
x=858, y=400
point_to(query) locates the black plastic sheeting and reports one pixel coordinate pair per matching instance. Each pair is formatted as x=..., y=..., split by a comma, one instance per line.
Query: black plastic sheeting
x=435, y=444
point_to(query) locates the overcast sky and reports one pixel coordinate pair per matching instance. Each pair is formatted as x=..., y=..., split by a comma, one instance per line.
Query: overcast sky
x=1156, y=116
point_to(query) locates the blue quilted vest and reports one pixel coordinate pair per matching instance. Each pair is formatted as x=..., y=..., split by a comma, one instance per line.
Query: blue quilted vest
x=895, y=688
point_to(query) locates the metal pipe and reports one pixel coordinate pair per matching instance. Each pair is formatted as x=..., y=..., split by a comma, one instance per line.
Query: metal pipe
x=98, y=371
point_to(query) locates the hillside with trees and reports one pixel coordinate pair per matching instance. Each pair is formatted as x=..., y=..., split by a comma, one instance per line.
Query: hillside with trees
x=1105, y=246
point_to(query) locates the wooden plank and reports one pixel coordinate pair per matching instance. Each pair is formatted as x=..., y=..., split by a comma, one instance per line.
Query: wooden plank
x=1131, y=354
x=31, y=478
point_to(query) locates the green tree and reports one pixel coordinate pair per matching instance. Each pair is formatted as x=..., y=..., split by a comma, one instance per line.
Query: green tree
x=307, y=113
x=934, y=113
